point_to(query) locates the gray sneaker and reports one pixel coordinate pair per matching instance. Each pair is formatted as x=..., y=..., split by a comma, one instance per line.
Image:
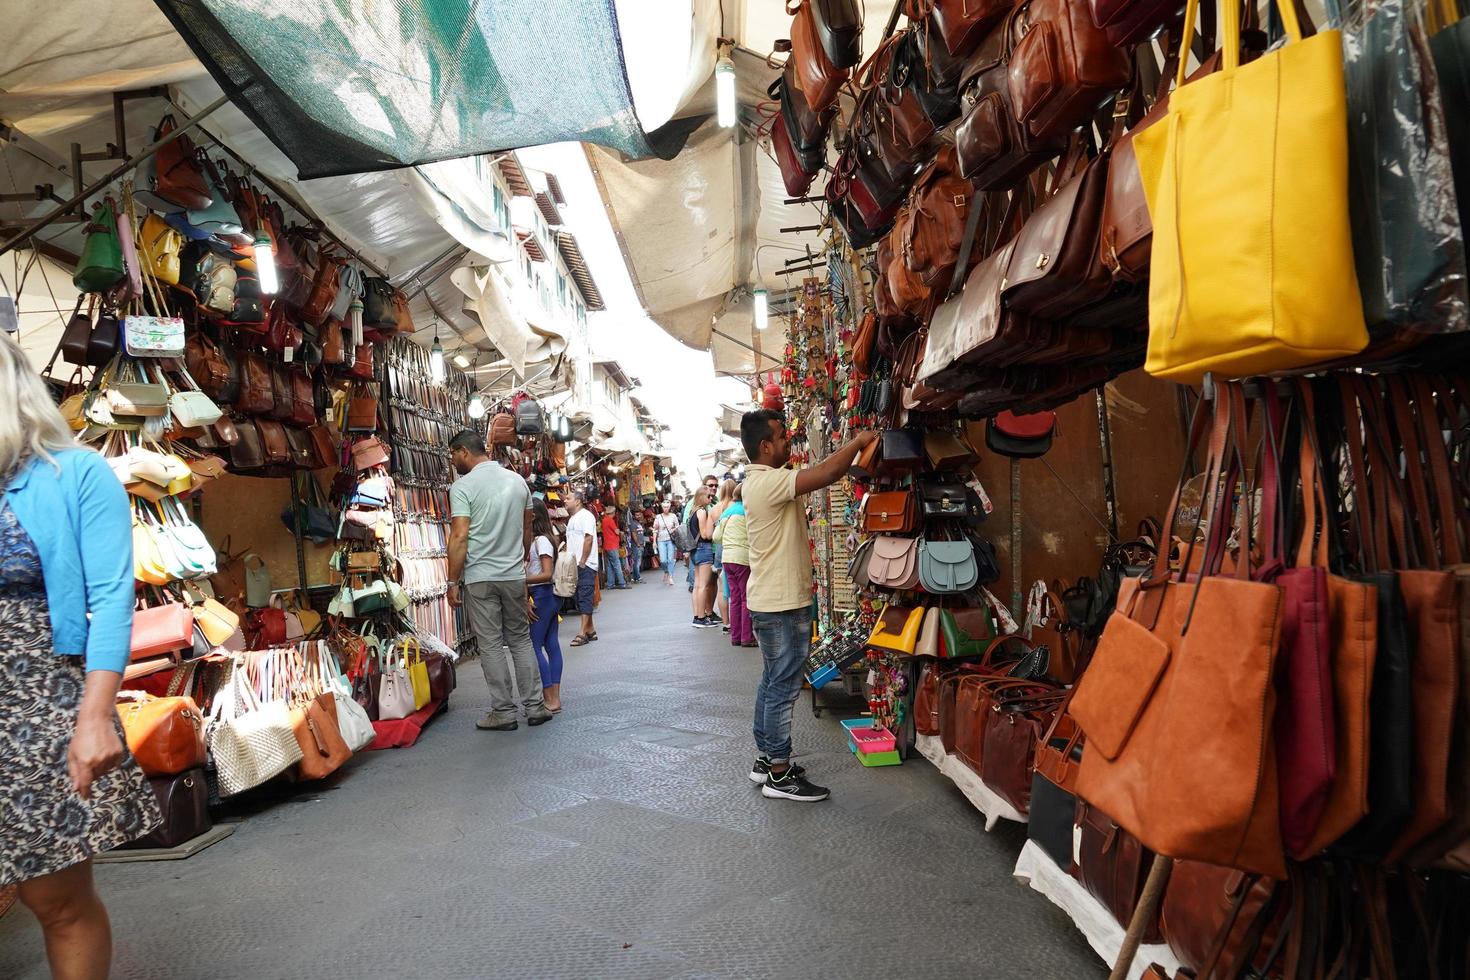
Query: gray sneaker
x=496, y=722
x=538, y=717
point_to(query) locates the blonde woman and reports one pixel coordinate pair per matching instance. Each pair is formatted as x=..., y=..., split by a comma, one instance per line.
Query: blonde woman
x=722, y=584
x=68, y=787
x=703, y=560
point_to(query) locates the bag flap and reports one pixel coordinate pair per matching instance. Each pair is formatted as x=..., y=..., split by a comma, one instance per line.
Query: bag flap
x=1113, y=692
x=949, y=552
x=976, y=623
x=893, y=549
x=1035, y=426
x=1043, y=235
x=894, y=619
x=890, y=505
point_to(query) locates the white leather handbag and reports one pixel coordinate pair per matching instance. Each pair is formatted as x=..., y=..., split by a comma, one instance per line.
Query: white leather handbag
x=249, y=741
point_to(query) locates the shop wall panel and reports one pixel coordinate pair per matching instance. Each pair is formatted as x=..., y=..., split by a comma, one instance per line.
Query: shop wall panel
x=1063, y=511
x=247, y=511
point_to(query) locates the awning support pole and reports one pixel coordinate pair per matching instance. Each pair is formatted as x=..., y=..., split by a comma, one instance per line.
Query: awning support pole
x=113, y=174
x=741, y=343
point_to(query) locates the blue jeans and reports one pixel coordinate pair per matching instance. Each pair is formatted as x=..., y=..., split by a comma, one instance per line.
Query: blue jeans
x=544, y=638
x=666, y=556
x=785, y=640
x=635, y=563
x=613, y=563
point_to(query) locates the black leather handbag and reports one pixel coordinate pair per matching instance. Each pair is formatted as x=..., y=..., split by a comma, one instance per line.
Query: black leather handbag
x=1053, y=810
x=902, y=452
x=184, y=800
x=946, y=499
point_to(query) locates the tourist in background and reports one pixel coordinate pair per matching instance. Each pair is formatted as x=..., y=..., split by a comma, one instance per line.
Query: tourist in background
x=733, y=538
x=545, y=604
x=612, y=554
x=722, y=593
x=703, y=560
x=582, y=543
x=634, y=525
x=664, y=523
x=69, y=789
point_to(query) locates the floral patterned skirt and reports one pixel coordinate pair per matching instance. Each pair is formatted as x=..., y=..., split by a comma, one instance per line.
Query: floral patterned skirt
x=44, y=825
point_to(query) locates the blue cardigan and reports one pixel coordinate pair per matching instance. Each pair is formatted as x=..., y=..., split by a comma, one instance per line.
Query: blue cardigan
x=79, y=518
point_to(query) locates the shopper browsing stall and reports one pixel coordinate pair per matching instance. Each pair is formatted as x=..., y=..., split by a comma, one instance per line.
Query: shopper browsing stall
x=780, y=589
x=491, y=511
x=68, y=787
x=582, y=542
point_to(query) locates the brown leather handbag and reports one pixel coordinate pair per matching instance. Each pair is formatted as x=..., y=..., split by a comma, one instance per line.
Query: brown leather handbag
x=303, y=454
x=248, y=451
x=961, y=24
x=178, y=181
x=891, y=512
x=323, y=750
x=362, y=362
x=1055, y=269
x=1112, y=864
x=932, y=231
x=256, y=396
x=1208, y=914
x=996, y=150
x=1150, y=697
x=503, y=429
x=949, y=686
x=281, y=401
x=324, y=445
x=863, y=343
x=403, y=320
x=303, y=398
x=1062, y=68
x=323, y=289
x=1060, y=638
x=1013, y=728
x=926, y=700
x=820, y=80
x=165, y=735
x=273, y=442
x=334, y=351
x=362, y=410
x=206, y=365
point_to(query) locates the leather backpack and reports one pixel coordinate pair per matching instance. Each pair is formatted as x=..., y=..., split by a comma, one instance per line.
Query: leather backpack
x=503, y=429
x=530, y=420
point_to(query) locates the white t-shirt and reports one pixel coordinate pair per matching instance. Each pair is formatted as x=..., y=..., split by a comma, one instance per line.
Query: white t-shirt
x=541, y=546
x=663, y=526
x=582, y=524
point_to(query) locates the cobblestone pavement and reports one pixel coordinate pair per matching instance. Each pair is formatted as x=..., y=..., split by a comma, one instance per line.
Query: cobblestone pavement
x=622, y=839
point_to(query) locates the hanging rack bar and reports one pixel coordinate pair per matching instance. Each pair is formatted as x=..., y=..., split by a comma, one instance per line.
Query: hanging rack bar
x=113, y=174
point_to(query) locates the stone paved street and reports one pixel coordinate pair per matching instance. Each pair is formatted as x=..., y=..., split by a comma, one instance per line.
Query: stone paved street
x=621, y=840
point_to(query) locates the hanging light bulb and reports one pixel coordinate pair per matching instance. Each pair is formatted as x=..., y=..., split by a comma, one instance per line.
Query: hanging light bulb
x=762, y=307
x=354, y=320
x=477, y=406
x=725, y=89
x=436, y=360
x=265, y=264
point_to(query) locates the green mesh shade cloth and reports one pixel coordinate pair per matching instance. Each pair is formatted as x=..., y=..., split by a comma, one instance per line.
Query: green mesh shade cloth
x=350, y=86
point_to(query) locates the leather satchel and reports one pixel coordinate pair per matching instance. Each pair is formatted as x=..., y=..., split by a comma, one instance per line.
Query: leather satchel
x=1014, y=727
x=171, y=180
x=76, y=334
x=183, y=799
x=819, y=78
x=967, y=632
x=1127, y=22
x=1112, y=864
x=257, y=394
x=165, y=735
x=893, y=563
x=960, y=24
x=1063, y=67
x=302, y=397
x=838, y=26
x=948, y=567
x=206, y=365
x=996, y=149
x=248, y=452
x=281, y=403
x=897, y=629
x=362, y=410
x=323, y=294
x=926, y=703
x=931, y=230
x=797, y=169
x=1055, y=269
x=947, y=451
x=902, y=452
x=892, y=511
x=273, y=441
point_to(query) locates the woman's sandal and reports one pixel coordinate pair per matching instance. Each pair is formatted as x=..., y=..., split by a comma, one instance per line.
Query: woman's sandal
x=580, y=641
x=592, y=635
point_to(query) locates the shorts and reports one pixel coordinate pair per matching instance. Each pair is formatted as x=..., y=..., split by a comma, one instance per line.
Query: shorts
x=704, y=553
x=586, y=583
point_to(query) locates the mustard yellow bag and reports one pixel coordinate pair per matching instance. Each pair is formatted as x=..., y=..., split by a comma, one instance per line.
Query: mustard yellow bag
x=1246, y=181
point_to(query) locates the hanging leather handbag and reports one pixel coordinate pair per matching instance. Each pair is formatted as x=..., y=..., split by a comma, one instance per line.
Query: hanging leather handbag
x=303, y=455
x=1151, y=694
x=967, y=632
x=1208, y=916
x=926, y=706
x=106, y=339
x=172, y=180
x=248, y=451
x=897, y=629
x=1055, y=269
x=857, y=565
x=819, y=78
x=334, y=351
x=206, y=365
x=100, y=266
x=162, y=629
x=797, y=171
x=902, y=452
x=928, y=642
x=362, y=410
x=503, y=429
x=929, y=242
x=302, y=397
x=159, y=247
x=323, y=294
x=945, y=499
x=77, y=332
x=1127, y=22
x=960, y=24
x=838, y=25
x=323, y=750
x=947, y=567
x=996, y=149
x=165, y=734
x=1252, y=317
x=369, y=453
x=402, y=317
x=1021, y=436
x=442, y=677
x=280, y=392
x=378, y=313
x=273, y=441
x=947, y=451
x=362, y=363
x=183, y=799
x=807, y=129
x=890, y=512
x=1063, y=67
x=1111, y=863
x=893, y=563
x=1013, y=728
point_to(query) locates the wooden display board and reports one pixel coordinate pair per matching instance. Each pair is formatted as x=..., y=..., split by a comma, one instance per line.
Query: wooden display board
x=245, y=511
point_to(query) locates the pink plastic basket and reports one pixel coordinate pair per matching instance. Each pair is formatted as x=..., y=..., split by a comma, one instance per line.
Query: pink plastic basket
x=870, y=740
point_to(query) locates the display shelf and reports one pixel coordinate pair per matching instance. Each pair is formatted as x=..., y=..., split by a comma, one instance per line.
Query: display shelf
x=1036, y=868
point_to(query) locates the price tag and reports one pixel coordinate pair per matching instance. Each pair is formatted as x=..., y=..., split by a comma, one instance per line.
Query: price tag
x=289, y=354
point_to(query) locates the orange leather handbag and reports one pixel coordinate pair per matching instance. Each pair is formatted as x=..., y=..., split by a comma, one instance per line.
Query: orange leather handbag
x=891, y=512
x=165, y=735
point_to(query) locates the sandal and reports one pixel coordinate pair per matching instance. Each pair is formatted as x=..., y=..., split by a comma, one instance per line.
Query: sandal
x=592, y=635
x=580, y=641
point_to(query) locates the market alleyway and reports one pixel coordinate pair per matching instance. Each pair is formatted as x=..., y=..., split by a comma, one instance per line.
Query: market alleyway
x=621, y=840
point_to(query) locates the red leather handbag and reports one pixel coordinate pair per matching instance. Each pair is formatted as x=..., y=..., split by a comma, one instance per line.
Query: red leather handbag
x=1127, y=22
x=961, y=24
x=1021, y=436
x=794, y=172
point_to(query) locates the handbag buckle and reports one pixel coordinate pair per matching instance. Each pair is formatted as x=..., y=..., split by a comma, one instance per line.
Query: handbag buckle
x=959, y=200
x=1042, y=260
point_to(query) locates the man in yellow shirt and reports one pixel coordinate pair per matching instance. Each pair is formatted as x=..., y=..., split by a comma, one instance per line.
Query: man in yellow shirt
x=780, y=590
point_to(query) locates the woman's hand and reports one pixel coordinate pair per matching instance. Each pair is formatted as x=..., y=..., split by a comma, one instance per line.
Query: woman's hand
x=531, y=609
x=95, y=751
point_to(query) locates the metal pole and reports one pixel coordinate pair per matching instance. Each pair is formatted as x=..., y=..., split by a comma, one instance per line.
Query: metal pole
x=113, y=174
x=1105, y=440
x=741, y=343
x=1016, y=592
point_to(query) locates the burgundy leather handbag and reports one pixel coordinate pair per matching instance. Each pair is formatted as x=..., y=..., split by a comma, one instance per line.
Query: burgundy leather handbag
x=256, y=392
x=1127, y=22
x=961, y=24
x=795, y=176
x=1062, y=68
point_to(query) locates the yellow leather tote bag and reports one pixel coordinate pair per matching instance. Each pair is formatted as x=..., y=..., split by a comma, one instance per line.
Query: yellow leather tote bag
x=897, y=629
x=1246, y=182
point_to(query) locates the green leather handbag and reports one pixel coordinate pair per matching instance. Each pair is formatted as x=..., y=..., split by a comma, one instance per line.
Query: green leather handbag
x=966, y=632
x=101, y=264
